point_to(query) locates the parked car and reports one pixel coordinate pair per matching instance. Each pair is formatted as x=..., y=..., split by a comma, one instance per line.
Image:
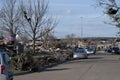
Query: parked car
x=2, y=77
x=80, y=53
x=5, y=67
x=90, y=50
x=115, y=50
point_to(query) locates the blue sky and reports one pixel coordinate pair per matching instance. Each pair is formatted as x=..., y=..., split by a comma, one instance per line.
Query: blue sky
x=74, y=14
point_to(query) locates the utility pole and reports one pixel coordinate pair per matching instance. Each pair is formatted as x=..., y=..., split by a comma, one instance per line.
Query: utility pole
x=81, y=28
x=81, y=31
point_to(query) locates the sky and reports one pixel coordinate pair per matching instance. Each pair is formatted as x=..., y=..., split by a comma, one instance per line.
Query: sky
x=75, y=16
x=79, y=17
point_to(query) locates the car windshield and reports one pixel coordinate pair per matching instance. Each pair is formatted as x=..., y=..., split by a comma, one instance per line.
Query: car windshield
x=80, y=50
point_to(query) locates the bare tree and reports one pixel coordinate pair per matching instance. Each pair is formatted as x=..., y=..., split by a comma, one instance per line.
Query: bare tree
x=112, y=9
x=10, y=17
x=36, y=23
x=70, y=39
x=49, y=40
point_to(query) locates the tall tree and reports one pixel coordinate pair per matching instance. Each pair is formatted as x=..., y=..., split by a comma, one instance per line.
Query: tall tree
x=36, y=24
x=10, y=21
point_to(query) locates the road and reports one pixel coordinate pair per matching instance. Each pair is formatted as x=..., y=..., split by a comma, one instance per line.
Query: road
x=96, y=67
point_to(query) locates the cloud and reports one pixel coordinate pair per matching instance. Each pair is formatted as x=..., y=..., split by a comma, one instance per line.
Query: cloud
x=68, y=11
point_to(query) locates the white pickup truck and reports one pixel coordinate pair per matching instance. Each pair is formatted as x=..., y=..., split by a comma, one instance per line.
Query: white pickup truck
x=5, y=67
x=2, y=77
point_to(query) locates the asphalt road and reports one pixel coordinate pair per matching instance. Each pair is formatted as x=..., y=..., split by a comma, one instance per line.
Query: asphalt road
x=96, y=67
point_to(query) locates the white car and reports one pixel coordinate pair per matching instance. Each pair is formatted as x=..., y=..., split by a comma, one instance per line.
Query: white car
x=5, y=67
x=80, y=53
x=90, y=50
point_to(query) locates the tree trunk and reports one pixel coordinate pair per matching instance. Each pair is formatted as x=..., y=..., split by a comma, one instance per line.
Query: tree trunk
x=34, y=44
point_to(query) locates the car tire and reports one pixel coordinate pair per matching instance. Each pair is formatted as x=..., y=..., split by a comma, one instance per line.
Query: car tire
x=11, y=79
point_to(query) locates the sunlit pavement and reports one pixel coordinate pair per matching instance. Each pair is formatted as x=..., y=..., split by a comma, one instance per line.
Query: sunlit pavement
x=97, y=67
